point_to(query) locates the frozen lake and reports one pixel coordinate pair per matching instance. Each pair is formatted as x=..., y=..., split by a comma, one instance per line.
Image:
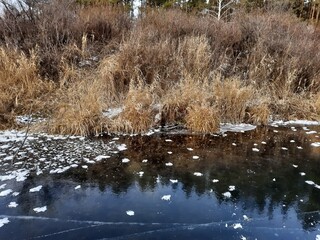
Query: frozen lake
x=259, y=184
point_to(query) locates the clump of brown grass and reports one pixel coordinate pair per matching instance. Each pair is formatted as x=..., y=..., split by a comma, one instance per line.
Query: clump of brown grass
x=138, y=114
x=232, y=98
x=21, y=88
x=317, y=103
x=202, y=119
x=258, y=114
x=79, y=112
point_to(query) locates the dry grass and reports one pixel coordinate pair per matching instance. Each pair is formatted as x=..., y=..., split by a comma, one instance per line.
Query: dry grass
x=202, y=119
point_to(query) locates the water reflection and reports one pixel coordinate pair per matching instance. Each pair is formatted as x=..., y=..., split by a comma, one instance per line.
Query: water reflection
x=270, y=198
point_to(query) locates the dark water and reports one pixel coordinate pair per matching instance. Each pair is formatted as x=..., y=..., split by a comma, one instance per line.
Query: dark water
x=269, y=196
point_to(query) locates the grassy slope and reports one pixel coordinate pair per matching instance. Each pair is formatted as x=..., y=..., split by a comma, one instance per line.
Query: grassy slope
x=166, y=67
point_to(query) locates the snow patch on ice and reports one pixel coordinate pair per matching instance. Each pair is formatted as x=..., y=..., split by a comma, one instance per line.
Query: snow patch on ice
x=237, y=225
x=35, y=189
x=195, y=157
x=228, y=127
x=4, y=221
x=173, y=181
x=232, y=188
x=315, y=144
x=130, y=213
x=310, y=182
x=125, y=160
x=227, y=194
x=77, y=187
x=295, y=122
x=255, y=149
x=166, y=197
x=101, y=157
x=198, y=174
x=5, y=192
x=215, y=180
x=40, y=209
x=169, y=164
x=13, y=205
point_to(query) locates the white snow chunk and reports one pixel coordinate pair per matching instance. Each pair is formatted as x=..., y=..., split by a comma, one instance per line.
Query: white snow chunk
x=5, y=192
x=311, y=132
x=232, y=188
x=190, y=149
x=310, y=182
x=130, y=213
x=168, y=140
x=101, y=157
x=166, y=197
x=317, y=186
x=145, y=160
x=299, y=147
x=296, y=122
x=255, y=149
x=122, y=147
x=246, y=218
x=36, y=189
x=284, y=148
x=195, y=157
x=215, y=180
x=263, y=142
x=234, y=144
x=4, y=221
x=84, y=166
x=13, y=205
x=315, y=144
x=169, y=152
x=275, y=131
x=173, y=180
x=237, y=225
x=228, y=127
x=198, y=174
x=227, y=194
x=77, y=187
x=140, y=174
x=318, y=237
x=3, y=186
x=15, y=194
x=125, y=160
x=295, y=166
x=169, y=164
x=40, y=209
x=112, y=112
x=243, y=237
x=292, y=141
x=302, y=173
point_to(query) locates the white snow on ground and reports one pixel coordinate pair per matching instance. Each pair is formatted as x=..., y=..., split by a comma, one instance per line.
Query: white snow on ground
x=122, y=147
x=198, y=174
x=315, y=144
x=295, y=122
x=130, y=213
x=112, y=112
x=166, y=197
x=35, y=189
x=5, y=192
x=40, y=209
x=4, y=221
x=237, y=225
x=13, y=205
x=228, y=127
x=125, y=160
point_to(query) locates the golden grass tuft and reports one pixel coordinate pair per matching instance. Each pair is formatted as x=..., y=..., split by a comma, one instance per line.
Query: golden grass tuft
x=258, y=114
x=138, y=115
x=21, y=89
x=202, y=119
x=232, y=99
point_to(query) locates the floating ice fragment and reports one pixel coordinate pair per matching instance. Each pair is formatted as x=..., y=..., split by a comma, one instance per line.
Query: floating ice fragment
x=317, y=186
x=275, y=131
x=315, y=144
x=246, y=218
x=36, y=189
x=166, y=197
x=311, y=132
x=5, y=192
x=227, y=194
x=140, y=174
x=101, y=157
x=309, y=182
x=125, y=160
x=215, y=180
x=173, y=180
x=299, y=147
x=237, y=225
x=13, y=205
x=77, y=187
x=145, y=160
x=169, y=152
x=243, y=237
x=274, y=180
x=190, y=149
x=302, y=173
x=233, y=144
x=284, y=148
x=3, y=186
x=292, y=141
x=263, y=142
x=40, y=209
x=122, y=147
x=198, y=174
x=318, y=237
x=232, y=188
x=227, y=127
x=295, y=166
x=168, y=140
x=115, y=138
x=130, y=213
x=15, y=194
x=195, y=157
x=169, y=164
x=255, y=149
x=4, y=221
